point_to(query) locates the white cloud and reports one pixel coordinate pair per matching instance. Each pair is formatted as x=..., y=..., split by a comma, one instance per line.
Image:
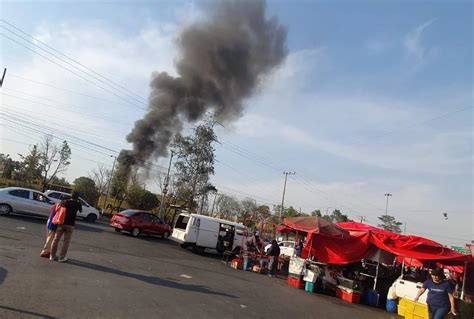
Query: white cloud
x=412, y=41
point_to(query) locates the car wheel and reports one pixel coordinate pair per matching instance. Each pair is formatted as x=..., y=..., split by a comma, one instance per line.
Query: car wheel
x=135, y=231
x=5, y=209
x=165, y=235
x=118, y=230
x=91, y=218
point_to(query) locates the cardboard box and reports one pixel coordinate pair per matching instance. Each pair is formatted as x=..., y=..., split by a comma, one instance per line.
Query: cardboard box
x=296, y=266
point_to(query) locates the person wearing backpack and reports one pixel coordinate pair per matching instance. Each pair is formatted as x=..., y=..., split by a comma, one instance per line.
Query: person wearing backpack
x=72, y=206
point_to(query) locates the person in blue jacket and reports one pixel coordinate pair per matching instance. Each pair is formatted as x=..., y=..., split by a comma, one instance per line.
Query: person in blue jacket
x=440, y=297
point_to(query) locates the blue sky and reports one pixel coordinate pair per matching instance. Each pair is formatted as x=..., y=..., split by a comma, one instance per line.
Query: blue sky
x=374, y=97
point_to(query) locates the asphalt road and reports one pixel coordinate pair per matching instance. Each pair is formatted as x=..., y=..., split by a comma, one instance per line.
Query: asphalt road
x=112, y=275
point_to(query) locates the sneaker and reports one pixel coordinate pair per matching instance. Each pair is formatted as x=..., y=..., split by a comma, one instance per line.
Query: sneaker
x=53, y=258
x=63, y=260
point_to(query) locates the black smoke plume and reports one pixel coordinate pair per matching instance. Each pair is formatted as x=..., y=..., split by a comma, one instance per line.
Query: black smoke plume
x=222, y=59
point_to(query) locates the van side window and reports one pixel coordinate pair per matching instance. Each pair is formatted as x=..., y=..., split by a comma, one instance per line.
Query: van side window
x=198, y=222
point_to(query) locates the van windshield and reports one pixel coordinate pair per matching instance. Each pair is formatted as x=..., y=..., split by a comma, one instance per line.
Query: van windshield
x=181, y=222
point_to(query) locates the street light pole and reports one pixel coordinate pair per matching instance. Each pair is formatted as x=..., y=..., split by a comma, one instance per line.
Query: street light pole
x=165, y=188
x=386, y=205
x=108, y=184
x=284, y=190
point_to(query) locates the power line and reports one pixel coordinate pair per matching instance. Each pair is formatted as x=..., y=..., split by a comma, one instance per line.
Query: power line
x=98, y=79
x=51, y=131
x=66, y=90
x=73, y=72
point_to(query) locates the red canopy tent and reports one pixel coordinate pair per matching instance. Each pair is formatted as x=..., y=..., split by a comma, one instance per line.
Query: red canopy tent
x=410, y=246
x=349, y=242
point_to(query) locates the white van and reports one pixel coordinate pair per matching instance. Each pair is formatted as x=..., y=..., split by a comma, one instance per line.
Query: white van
x=89, y=213
x=203, y=232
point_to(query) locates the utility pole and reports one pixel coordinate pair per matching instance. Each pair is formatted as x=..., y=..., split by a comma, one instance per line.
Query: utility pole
x=284, y=190
x=386, y=205
x=108, y=184
x=362, y=219
x=3, y=77
x=165, y=188
x=404, y=228
x=214, y=204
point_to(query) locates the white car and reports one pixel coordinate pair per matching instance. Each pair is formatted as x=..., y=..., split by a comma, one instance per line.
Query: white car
x=89, y=213
x=24, y=200
x=287, y=248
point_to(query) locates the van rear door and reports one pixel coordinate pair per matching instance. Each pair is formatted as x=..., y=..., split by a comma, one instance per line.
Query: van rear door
x=179, y=229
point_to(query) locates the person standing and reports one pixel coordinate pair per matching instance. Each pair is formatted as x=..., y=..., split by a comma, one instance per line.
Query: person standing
x=273, y=254
x=72, y=206
x=50, y=229
x=440, y=298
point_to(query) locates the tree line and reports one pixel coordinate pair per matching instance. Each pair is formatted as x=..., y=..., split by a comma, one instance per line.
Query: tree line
x=189, y=187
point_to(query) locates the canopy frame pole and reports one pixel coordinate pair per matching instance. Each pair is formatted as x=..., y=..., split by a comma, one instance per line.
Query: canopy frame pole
x=376, y=274
x=464, y=277
x=310, y=246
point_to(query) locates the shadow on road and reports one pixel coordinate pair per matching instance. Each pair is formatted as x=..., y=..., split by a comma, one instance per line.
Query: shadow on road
x=3, y=274
x=27, y=312
x=35, y=219
x=149, y=279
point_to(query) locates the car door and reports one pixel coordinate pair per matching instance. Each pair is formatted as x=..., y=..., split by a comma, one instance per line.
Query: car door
x=157, y=226
x=41, y=204
x=20, y=200
x=143, y=221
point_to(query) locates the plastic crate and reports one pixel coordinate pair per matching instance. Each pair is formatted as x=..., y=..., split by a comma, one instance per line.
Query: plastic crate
x=295, y=283
x=412, y=310
x=309, y=286
x=348, y=295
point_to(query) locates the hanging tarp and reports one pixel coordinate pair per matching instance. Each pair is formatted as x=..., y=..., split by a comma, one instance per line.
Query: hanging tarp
x=332, y=250
x=315, y=225
x=407, y=246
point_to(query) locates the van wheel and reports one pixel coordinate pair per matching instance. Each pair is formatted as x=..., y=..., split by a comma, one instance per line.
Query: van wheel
x=165, y=235
x=91, y=218
x=5, y=209
x=135, y=231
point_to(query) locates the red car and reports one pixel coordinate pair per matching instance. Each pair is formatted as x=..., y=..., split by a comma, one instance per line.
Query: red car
x=139, y=222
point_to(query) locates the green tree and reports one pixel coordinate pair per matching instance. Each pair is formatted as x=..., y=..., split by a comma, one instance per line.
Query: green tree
x=248, y=210
x=317, y=213
x=195, y=161
x=139, y=198
x=8, y=166
x=227, y=207
x=287, y=212
x=54, y=159
x=87, y=189
x=390, y=223
x=121, y=177
x=59, y=181
x=30, y=170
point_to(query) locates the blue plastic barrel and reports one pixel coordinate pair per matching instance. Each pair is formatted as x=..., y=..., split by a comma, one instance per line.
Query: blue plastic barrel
x=372, y=298
x=391, y=305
